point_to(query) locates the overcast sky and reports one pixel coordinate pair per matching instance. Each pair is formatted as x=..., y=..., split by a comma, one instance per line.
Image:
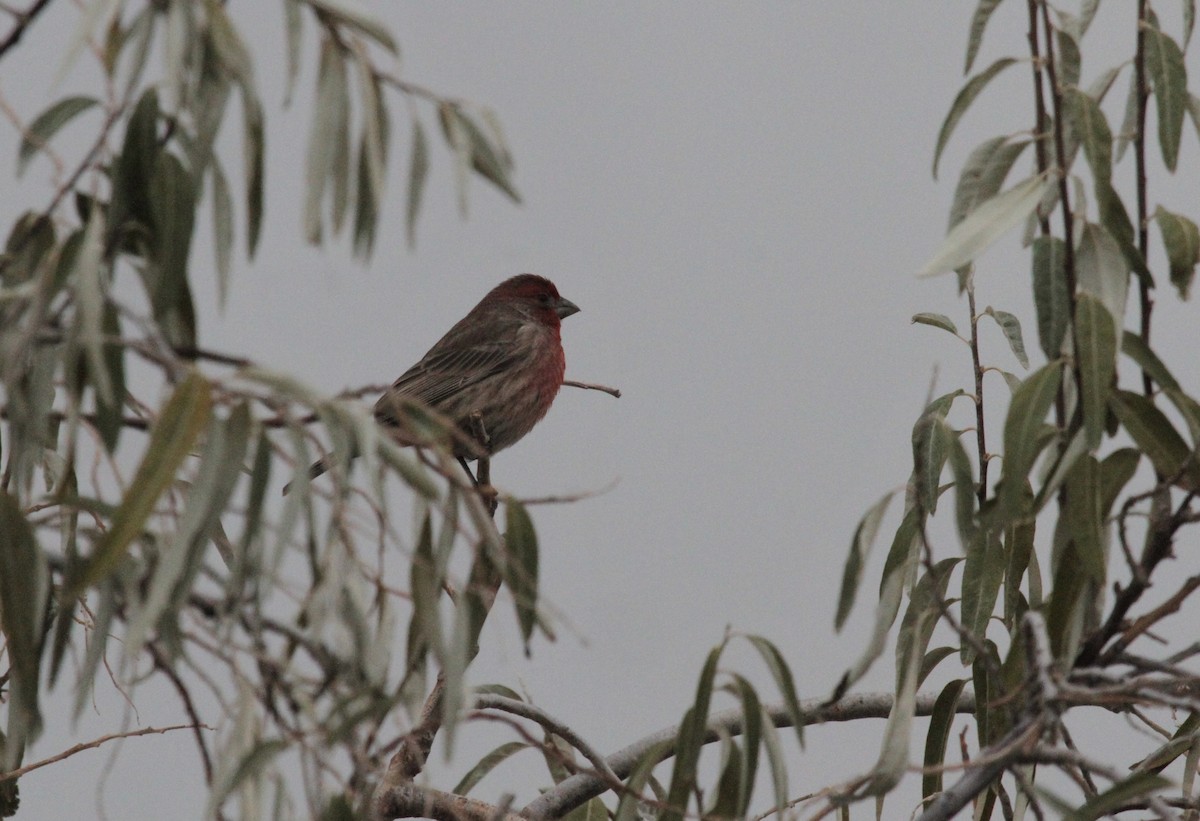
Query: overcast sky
x=737, y=196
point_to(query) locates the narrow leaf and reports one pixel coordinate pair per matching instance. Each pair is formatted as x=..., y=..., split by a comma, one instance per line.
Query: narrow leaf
x=986, y=224
x=1118, y=795
x=1097, y=358
x=354, y=15
x=979, y=21
x=782, y=675
x=1103, y=271
x=963, y=101
x=1012, y=332
x=860, y=548
x=1050, y=295
x=1022, y=429
x=1181, y=239
x=185, y=415
x=940, y=722
x=1168, y=76
x=23, y=587
x=418, y=170
x=39, y=133
x=522, y=566
x=983, y=175
x=1156, y=436
x=937, y=321
x=486, y=764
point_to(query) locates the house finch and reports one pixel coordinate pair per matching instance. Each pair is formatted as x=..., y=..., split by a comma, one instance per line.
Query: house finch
x=502, y=363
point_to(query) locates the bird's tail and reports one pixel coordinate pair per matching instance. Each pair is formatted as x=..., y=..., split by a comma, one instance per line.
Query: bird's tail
x=314, y=470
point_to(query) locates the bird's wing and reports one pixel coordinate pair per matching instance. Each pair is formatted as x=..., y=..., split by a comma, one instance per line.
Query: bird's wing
x=440, y=375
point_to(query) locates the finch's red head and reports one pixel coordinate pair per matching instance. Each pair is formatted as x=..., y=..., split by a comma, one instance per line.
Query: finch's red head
x=535, y=294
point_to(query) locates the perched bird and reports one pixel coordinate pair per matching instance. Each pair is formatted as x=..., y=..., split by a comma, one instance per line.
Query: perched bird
x=502, y=363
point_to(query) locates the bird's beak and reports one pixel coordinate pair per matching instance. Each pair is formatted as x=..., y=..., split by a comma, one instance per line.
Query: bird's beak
x=565, y=308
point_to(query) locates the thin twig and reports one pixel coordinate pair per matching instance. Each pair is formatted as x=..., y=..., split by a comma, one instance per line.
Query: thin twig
x=23, y=20
x=591, y=386
x=1139, y=156
x=94, y=743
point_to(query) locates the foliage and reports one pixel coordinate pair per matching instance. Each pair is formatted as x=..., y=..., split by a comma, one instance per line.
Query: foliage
x=140, y=536
x=1098, y=450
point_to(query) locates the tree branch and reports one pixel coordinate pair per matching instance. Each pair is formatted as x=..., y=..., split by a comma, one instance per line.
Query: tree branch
x=12, y=775
x=582, y=787
x=23, y=20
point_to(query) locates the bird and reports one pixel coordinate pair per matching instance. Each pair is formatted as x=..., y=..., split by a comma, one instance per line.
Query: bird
x=493, y=375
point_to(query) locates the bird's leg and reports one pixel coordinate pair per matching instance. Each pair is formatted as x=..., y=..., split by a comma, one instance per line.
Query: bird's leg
x=483, y=475
x=462, y=460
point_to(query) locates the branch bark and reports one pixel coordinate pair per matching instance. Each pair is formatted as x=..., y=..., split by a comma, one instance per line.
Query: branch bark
x=579, y=789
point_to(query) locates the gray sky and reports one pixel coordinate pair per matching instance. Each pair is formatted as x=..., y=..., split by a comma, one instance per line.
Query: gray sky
x=737, y=196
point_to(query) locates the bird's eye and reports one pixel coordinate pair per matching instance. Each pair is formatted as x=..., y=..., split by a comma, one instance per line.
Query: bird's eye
x=544, y=299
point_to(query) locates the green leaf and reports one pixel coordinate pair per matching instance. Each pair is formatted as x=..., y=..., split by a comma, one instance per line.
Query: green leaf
x=488, y=160
x=327, y=140
x=782, y=676
x=1097, y=358
x=24, y=582
x=183, y=418
x=1136, y=349
x=1129, y=120
x=522, y=566
x=628, y=806
x=898, y=569
x=1168, y=76
x=937, y=321
x=352, y=14
x=1050, y=295
x=174, y=196
x=1022, y=430
x=940, y=722
x=752, y=732
x=39, y=133
x=979, y=21
x=690, y=739
x=1068, y=59
x=222, y=217
x=1018, y=545
x=986, y=224
x=90, y=279
x=1091, y=127
x=1115, y=472
x=418, y=170
x=1085, y=519
x=487, y=764
x=294, y=25
x=963, y=101
x=860, y=548
x=253, y=164
x=1012, y=332
x=983, y=175
x=1181, y=741
x=109, y=421
x=135, y=166
x=207, y=497
x=253, y=762
x=1154, y=434
x=983, y=572
x=1103, y=271
x=1181, y=239
x=964, y=481
x=777, y=762
x=1129, y=789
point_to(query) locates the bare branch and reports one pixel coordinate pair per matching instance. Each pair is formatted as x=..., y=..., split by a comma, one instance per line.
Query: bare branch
x=580, y=788
x=93, y=744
